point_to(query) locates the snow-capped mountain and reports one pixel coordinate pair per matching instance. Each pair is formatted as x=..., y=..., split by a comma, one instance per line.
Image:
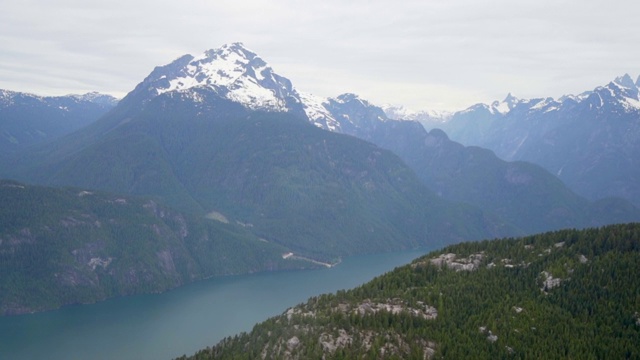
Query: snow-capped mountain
x=96, y=98
x=240, y=75
x=232, y=71
x=210, y=133
x=589, y=140
x=542, y=131
x=8, y=98
x=522, y=193
x=27, y=119
x=316, y=110
x=428, y=118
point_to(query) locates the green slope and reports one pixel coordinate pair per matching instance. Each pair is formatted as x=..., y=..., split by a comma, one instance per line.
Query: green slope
x=565, y=294
x=64, y=246
x=321, y=194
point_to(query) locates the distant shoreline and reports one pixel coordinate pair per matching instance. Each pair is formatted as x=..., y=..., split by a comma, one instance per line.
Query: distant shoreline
x=293, y=256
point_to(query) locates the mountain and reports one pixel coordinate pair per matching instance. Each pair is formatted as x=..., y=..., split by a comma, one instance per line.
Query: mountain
x=197, y=143
x=429, y=118
x=567, y=294
x=69, y=246
x=28, y=120
x=198, y=109
x=522, y=193
x=589, y=141
x=231, y=71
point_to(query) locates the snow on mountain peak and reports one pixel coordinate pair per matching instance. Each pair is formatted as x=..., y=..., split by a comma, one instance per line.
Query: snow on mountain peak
x=505, y=105
x=623, y=91
x=96, y=98
x=425, y=116
x=233, y=71
x=348, y=97
x=625, y=81
x=315, y=107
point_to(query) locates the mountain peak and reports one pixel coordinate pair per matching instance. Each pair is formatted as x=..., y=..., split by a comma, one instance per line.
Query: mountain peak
x=347, y=97
x=97, y=98
x=625, y=81
x=505, y=105
x=232, y=71
x=229, y=52
x=510, y=99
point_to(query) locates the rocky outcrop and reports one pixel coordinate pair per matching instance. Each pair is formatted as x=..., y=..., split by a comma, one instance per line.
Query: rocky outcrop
x=549, y=282
x=453, y=261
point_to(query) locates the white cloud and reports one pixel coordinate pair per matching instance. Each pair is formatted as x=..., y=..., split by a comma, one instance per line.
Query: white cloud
x=428, y=54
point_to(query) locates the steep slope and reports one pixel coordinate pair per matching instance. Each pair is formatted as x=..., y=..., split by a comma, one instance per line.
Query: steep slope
x=522, y=193
x=27, y=120
x=589, y=141
x=176, y=134
x=318, y=193
x=231, y=71
x=68, y=246
x=568, y=294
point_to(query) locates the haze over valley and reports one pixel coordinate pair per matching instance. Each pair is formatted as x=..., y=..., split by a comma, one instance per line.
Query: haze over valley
x=222, y=167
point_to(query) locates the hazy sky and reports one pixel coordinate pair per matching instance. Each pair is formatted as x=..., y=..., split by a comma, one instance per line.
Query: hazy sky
x=422, y=54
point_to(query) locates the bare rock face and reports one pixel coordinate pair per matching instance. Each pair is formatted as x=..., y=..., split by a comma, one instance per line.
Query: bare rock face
x=293, y=343
x=491, y=337
x=452, y=261
x=549, y=282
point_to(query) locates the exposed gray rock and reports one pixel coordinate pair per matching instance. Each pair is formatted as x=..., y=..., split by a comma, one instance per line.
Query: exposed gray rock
x=549, y=282
x=583, y=259
x=452, y=261
x=293, y=343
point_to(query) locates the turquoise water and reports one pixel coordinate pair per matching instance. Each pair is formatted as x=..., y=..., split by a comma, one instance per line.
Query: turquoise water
x=182, y=321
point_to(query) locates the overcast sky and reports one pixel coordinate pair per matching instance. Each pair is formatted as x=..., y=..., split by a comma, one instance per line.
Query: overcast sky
x=443, y=55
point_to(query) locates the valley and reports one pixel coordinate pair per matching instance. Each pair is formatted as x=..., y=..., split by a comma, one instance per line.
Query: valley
x=215, y=169
x=183, y=320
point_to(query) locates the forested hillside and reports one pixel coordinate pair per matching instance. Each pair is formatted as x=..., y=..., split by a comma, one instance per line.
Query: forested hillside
x=321, y=194
x=565, y=294
x=67, y=246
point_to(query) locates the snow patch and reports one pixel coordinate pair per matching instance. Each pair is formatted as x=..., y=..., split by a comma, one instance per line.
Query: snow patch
x=248, y=79
x=316, y=111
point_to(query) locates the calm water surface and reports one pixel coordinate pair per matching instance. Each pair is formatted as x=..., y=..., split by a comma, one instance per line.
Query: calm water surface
x=182, y=321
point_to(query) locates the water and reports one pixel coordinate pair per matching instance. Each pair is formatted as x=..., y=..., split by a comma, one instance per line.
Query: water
x=182, y=321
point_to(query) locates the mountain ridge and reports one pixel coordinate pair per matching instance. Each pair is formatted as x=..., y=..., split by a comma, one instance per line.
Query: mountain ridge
x=28, y=120
x=198, y=82
x=318, y=193
x=587, y=140
x=522, y=193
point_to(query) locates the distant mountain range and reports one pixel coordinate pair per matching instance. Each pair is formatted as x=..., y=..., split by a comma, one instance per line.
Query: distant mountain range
x=146, y=141
x=395, y=112
x=221, y=135
x=28, y=120
x=192, y=135
x=522, y=193
x=590, y=141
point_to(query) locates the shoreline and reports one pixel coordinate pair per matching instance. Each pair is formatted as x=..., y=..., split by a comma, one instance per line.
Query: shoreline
x=293, y=256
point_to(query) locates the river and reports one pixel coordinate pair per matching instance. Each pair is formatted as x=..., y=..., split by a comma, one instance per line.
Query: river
x=181, y=321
